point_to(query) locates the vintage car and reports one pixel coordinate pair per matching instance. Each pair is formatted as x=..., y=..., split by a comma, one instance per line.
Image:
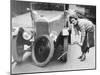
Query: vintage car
x=47, y=38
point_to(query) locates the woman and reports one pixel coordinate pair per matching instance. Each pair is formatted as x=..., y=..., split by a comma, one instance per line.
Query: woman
x=87, y=28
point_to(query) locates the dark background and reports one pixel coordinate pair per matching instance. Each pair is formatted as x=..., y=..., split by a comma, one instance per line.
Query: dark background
x=20, y=7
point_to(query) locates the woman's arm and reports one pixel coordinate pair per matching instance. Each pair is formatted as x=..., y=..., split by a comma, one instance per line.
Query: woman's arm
x=82, y=36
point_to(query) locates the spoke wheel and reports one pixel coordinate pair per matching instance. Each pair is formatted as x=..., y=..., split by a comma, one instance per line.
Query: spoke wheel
x=64, y=58
x=17, y=48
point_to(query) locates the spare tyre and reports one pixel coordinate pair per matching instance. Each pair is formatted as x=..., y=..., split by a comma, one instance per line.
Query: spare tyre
x=43, y=50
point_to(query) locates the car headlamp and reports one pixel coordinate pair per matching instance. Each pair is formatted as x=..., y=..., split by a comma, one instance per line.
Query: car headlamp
x=53, y=35
x=27, y=35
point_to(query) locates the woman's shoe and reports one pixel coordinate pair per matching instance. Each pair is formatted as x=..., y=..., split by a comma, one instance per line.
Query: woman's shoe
x=80, y=57
x=83, y=58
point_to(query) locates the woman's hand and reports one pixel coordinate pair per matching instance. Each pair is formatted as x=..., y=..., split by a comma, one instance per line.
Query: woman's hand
x=80, y=43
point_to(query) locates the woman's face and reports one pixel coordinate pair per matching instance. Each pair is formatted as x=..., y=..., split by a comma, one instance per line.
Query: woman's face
x=74, y=21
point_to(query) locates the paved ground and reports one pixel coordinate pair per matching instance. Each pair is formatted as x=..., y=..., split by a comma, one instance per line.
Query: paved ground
x=73, y=63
